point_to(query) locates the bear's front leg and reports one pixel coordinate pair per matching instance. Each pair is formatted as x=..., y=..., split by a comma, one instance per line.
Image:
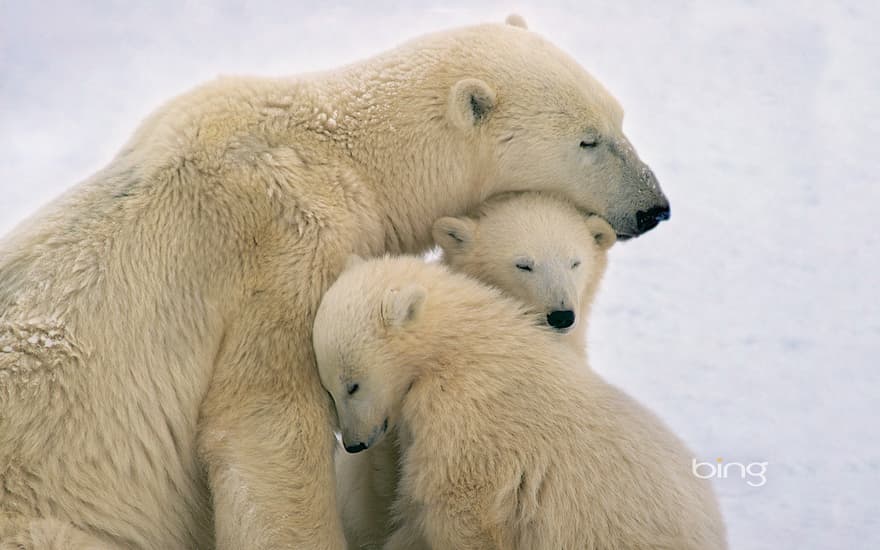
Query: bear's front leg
x=441, y=523
x=266, y=437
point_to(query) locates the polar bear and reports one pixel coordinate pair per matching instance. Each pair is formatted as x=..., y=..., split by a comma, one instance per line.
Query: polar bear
x=536, y=248
x=157, y=380
x=506, y=441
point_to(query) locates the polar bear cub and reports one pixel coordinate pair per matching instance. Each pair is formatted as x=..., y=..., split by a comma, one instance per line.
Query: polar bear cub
x=534, y=247
x=537, y=248
x=506, y=441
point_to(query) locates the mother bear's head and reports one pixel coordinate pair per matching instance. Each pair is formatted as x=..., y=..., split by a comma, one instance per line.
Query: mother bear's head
x=541, y=122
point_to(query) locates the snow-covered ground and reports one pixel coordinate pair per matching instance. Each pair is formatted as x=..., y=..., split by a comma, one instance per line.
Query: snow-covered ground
x=750, y=321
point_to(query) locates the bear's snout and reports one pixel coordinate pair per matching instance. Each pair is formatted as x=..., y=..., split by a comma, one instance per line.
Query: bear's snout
x=647, y=205
x=647, y=220
x=374, y=437
x=560, y=319
x=356, y=448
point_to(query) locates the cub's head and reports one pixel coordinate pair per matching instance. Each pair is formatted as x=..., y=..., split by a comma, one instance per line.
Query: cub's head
x=542, y=123
x=361, y=341
x=536, y=248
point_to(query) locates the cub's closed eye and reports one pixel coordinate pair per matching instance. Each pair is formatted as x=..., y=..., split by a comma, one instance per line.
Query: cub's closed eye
x=576, y=264
x=352, y=388
x=524, y=267
x=589, y=143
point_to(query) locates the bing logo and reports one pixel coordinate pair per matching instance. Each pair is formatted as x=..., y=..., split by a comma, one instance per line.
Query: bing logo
x=753, y=473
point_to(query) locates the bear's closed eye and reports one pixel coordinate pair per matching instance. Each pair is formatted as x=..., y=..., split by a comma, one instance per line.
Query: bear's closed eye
x=589, y=143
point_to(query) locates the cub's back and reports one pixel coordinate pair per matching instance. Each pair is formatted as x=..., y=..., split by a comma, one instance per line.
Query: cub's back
x=551, y=455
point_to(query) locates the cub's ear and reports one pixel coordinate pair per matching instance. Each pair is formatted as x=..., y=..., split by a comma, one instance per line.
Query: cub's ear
x=602, y=232
x=401, y=306
x=351, y=261
x=470, y=102
x=516, y=20
x=454, y=234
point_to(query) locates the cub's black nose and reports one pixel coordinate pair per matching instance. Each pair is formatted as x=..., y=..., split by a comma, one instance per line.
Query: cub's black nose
x=647, y=220
x=560, y=319
x=356, y=448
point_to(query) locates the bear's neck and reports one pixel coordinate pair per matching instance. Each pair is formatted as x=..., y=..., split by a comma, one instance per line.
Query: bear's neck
x=390, y=118
x=493, y=347
x=473, y=307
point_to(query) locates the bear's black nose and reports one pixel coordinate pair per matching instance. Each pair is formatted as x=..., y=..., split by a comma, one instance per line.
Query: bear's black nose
x=356, y=448
x=647, y=220
x=560, y=319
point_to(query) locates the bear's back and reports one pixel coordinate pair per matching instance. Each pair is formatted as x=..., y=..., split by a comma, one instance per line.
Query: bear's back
x=566, y=458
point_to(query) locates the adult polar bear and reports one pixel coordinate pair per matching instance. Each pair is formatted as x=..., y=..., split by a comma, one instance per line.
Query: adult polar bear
x=157, y=379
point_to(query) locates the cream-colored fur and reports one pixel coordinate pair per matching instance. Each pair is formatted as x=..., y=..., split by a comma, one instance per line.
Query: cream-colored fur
x=536, y=248
x=46, y=534
x=506, y=440
x=567, y=255
x=366, y=486
x=157, y=380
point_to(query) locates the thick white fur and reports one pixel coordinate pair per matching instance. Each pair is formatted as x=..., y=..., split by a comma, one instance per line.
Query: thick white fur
x=157, y=380
x=46, y=534
x=506, y=440
x=552, y=234
x=566, y=252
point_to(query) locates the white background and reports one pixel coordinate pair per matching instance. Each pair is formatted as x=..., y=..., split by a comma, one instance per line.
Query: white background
x=749, y=321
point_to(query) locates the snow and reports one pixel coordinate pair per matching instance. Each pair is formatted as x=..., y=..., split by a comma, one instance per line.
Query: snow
x=749, y=321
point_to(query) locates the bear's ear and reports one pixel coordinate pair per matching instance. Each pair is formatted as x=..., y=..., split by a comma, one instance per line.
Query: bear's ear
x=602, y=232
x=516, y=20
x=454, y=234
x=351, y=261
x=470, y=102
x=401, y=306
